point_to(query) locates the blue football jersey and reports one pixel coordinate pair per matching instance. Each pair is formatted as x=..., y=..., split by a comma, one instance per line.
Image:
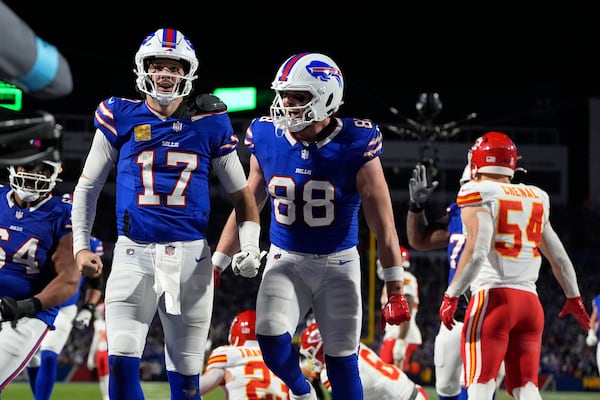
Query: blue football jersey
x=312, y=187
x=163, y=169
x=456, y=241
x=28, y=236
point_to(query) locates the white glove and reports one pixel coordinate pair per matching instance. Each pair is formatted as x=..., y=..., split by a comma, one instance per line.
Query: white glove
x=91, y=363
x=399, y=352
x=592, y=338
x=247, y=262
x=419, y=189
x=83, y=318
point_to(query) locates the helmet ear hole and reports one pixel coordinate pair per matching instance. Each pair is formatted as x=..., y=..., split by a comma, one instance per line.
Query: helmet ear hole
x=329, y=101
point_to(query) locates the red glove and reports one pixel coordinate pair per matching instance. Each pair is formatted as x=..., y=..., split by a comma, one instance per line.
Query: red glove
x=396, y=310
x=447, y=310
x=575, y=307
x=216, y=277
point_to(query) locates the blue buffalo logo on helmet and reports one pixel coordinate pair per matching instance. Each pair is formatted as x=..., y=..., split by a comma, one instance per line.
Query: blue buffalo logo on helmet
x=324, y=71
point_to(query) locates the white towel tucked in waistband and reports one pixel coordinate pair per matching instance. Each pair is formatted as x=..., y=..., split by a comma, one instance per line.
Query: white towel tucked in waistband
x=167, y=278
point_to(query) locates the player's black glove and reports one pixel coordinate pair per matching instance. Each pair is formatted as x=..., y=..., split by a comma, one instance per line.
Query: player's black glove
x=11, y=309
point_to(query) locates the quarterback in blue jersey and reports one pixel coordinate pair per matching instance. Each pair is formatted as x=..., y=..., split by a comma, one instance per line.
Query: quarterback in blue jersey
x=38, y=271
x=164, y=148
x=42, y=367
x=316, y=170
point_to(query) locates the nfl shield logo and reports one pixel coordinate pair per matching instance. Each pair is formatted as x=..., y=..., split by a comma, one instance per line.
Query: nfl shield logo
x=177, y=126
x=19, y=214
x=304, y=154
x=170, y=250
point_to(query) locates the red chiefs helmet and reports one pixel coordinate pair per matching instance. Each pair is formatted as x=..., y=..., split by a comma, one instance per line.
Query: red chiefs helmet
x=311, y=346
x=494, y=153
x=242, y=328
x=405, y=257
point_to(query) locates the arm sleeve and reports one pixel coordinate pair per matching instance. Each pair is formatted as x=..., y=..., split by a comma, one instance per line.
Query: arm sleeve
x=230, y=172
x=462, y=280
x=99, y=163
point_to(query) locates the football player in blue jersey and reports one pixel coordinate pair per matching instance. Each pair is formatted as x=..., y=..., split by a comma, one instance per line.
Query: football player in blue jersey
x=317, y=170
x=38, y=271
x=41, y=369
x=164, y=147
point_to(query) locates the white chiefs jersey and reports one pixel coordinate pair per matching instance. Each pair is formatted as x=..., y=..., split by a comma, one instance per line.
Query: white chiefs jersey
x=246, y=374
x=519, y=214
x=380, y=380
x=411, y=287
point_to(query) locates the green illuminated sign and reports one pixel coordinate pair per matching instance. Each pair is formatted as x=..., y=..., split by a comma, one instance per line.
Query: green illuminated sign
x=237, y=98
x=11, y=97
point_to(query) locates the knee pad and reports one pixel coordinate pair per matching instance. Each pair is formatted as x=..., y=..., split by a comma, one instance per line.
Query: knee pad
x=125, y=344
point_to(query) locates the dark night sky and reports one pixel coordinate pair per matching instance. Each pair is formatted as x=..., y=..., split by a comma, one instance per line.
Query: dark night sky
x=510, y=67
x=497, y=65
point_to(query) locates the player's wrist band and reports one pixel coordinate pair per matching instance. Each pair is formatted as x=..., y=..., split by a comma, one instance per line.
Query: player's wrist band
x=221, y=260
x=391, y=274
x=414, y=207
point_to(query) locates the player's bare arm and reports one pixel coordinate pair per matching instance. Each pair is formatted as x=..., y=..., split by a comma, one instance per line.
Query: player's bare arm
x=211, y=379
x=379, y=215
x=66, y=282
x=423, y=235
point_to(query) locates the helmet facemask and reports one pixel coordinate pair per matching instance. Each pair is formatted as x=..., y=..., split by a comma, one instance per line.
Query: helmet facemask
x=297, y=118
x=32, y=182
x=151, y=82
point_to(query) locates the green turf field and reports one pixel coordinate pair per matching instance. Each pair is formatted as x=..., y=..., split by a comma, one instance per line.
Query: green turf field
x=160, y=391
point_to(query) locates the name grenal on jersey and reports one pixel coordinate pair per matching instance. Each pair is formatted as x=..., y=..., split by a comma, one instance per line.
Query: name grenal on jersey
x=519, y=191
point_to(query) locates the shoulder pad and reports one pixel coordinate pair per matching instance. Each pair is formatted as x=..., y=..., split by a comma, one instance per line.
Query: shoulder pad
x=210, y=103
